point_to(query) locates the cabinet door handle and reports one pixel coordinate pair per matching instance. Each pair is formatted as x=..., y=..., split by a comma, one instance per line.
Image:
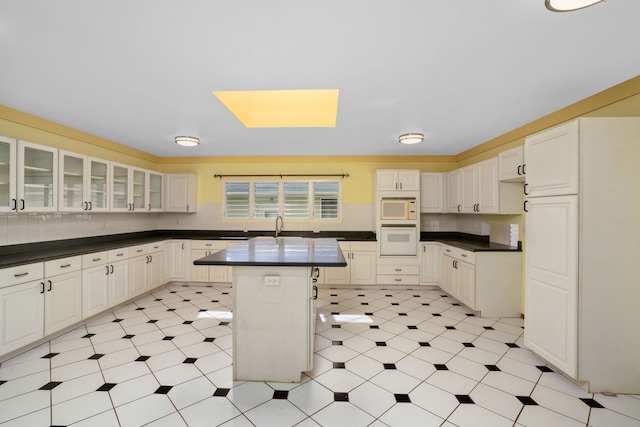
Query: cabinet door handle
x=50, y=285
x=519, y=173
x=139, y=250
x=524, y=172
x=149, y=207
x=397, y=269
x=14, y=204
x=120, y=254
x=111, y=268
x=86, y=206
x=107, y=267
x=21, y=274
x=65, y=266
x=315, y=292
x=90, y=206
x=398, y=280
x=96, y=259
x=42, y=289
x=23, y=205
x=183, y=246
x=187, y=208
x=464, y=255
x=524, y=190
x=458, y=208
x=525, y=206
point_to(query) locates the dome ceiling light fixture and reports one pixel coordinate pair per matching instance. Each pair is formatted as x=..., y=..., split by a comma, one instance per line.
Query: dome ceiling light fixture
x=187, y=141
x=410, y=138
x=569, y=5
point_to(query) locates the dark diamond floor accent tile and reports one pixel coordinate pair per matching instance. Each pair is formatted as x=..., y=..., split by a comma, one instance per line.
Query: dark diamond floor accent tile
x=364, y=303
x=336, y=326
x=489, y=328
x=335, y=313
x=186, y=300
x=471, y=315
x=374, y=327
x=544, y=368
x=209, y=340
x=187, y=322
x=338, y=365
x=424, y=344
x=464, y=398
x=172, y=292
x=335, y=295
x=381, y=344
x=199, y=292
x=492, y=368
x=2, y=382
x=215, y=300
x=395, y=303
x=402, y=314
x=89, y=336
x=468, y=344
x=128, y=337
x=167, y=338
x=152, y=321
x=202, y=310
x=224, y=324
x=416, y=296
x=221, y=392
x=190, y=360
x=51, y=385
x=140, y=308
x=158, y=299
x=440, y=367
x=117, y=320
x=280, y=394
x=95, y=356
x=225, y=293
x=142, y=359
x=450, y=327
x=360, y=295
x=171, y=309
x=334, y=303
x=444, y=296
x=163, y=389
x=368, y=314
x=512, y=345
x=336, y=342
x=412, y=327
x=526, y=400
x=591, y=403
x=106, y=387
x=402, y=398
x=49, y=356
x=389, y=365
x=455, y=303
x=388, y=296
x=340, y=397
x=436, y=314
x=425, y=304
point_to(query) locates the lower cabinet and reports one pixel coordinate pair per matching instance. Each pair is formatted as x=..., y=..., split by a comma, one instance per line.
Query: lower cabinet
x=430, y=263
x=458, y=279
x=138, y=271
x=155, y=265
x=360, y=269
x=63, y=293
x=177, y=262
x=214, y=273
x=95, y=283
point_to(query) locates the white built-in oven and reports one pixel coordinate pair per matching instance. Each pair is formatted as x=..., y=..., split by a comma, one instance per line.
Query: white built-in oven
x=398, y=240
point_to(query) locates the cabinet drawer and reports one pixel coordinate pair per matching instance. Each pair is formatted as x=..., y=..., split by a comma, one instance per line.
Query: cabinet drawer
x=154, y=247
x=62, y=265
x=95, y=259
x=363, y=246
x=118, y=254
x=398, y=269
x=459, y=254
x=21, y=274
x=139, y=250
x=390, y=279
x=208, y=245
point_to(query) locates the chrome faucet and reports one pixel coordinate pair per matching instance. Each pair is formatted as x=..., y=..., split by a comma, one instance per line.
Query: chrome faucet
x=281, y=221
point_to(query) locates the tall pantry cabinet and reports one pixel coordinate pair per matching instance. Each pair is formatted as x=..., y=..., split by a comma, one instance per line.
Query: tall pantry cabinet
x=581, y=283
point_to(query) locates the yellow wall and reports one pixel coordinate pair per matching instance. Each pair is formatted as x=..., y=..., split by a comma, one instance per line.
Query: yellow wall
x=620, y=100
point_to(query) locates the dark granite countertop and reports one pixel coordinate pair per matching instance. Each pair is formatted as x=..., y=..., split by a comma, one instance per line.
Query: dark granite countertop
x=470, y=242
x=281, y=251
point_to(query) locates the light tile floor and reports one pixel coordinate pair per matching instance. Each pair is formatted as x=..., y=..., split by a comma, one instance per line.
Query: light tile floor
x=393, y=357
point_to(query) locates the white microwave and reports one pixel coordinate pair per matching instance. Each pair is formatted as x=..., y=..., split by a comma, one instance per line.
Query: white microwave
x=402, y=208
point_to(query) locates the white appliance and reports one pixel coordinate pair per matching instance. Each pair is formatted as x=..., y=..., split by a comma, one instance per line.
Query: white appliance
x=398, y=240
x=398, y=208
x=581, y=260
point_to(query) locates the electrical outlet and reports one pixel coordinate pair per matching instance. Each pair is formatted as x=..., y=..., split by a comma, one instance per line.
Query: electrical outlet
x=272, y=280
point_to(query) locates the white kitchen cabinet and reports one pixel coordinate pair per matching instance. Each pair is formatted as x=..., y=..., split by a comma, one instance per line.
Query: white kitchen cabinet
x=511, y=165
x=429, y=263
x=138, y=270
x=178, y=261
x=95, y=283
x=181, y=192
x=21, y=306
x=155, y=265
x=581, y=277
x=63, y=293
x=8, y=174
x=155, y=192
x=454, y=191
x=118, y=276
x=397, y=180
x=83, y=183
x=213, y=273
x=432, y=191
x=469, y=189
x=489, y=282
x=37, y=178
x=361, y=265
x=128, y=189
x=553, y=159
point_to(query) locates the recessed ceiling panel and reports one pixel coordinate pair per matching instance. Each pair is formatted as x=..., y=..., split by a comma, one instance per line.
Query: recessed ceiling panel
x=282, y=108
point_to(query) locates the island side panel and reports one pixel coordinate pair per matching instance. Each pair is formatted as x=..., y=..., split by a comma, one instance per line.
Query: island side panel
x=271, y=334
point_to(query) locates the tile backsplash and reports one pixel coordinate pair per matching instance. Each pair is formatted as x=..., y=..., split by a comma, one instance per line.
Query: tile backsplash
x=37, y=227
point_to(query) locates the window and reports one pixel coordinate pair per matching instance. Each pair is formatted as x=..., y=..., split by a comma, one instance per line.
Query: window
x=294, y=200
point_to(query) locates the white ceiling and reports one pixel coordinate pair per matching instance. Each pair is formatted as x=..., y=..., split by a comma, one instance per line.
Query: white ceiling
x=460, y=71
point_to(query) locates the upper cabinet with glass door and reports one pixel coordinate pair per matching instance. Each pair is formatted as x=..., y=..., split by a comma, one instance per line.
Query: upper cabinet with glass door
x=37, y=178
x=83, y=183
x=155, y=195
x=8, y=198
x=119, y=188
x=135, y=190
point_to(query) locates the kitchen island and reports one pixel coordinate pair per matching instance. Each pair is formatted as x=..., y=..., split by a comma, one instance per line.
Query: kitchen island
x=273, y=307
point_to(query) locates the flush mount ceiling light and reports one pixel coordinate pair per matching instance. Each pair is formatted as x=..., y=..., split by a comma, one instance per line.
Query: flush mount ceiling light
x=410, y=138
x=187, y=141
x=569, y=5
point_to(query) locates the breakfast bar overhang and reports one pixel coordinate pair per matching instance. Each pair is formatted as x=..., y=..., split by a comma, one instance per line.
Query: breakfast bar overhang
x=273, y=308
